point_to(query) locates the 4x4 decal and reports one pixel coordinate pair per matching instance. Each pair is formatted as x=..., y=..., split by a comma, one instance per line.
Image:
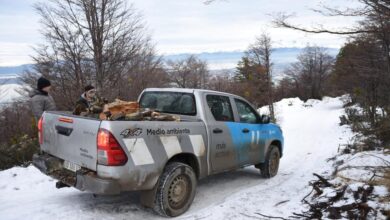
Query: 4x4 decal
x=131, y=132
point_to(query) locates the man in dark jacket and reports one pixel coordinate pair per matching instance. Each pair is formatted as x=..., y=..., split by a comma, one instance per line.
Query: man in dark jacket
x=85, y=104
x=41, y=100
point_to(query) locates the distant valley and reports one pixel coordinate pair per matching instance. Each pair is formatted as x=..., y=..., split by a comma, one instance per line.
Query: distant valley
x=217, y=62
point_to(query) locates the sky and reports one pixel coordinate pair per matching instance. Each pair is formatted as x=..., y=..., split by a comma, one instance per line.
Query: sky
x=186, y=26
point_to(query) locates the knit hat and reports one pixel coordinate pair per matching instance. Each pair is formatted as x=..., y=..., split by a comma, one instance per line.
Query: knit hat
x=89, y=87
x=43, y=83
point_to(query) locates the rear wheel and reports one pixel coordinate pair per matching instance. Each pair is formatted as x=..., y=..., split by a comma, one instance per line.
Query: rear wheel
x=175, y=190
x=270, y=166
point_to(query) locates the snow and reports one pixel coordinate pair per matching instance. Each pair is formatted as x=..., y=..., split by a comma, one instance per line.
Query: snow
x=370, y=158
x=361, y=166
x=10, y=92
x=380, y=191
x=8, y=76
x=312, y=135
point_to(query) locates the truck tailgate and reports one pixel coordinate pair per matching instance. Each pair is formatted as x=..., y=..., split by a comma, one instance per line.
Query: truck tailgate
x=70, y=138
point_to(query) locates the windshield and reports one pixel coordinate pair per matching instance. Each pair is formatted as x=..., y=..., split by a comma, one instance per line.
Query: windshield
x=169, y=102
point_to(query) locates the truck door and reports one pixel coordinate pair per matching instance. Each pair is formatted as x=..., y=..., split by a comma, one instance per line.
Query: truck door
x=251, y=133
x=222, y=152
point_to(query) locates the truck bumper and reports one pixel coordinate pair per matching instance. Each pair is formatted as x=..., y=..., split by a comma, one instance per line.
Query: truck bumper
x=84, y=180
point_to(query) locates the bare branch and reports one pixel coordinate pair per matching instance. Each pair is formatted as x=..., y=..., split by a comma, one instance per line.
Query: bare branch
x=281, y=21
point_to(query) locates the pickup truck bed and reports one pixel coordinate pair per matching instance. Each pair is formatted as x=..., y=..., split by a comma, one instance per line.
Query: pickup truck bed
x=149, y=144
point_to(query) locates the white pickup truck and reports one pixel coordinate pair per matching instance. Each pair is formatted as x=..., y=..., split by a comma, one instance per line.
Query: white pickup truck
x=217, y=132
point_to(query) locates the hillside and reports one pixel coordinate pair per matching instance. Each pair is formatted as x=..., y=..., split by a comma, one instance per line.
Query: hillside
x=10, y=92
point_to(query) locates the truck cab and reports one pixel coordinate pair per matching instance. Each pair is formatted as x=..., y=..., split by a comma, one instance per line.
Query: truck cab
x=237, y=134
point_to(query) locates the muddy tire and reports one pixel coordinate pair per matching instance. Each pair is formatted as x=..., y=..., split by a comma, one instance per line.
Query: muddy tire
x=175, y=190
x=270, y=166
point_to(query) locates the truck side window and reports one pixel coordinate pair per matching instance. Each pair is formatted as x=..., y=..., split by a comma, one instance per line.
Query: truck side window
x=246, y=113
x=220, y=107
x=169, y=102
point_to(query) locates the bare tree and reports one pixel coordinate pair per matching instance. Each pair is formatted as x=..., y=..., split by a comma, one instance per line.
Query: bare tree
x=376, y=21
x=251, y=80
x=363, y=64
x=254, y=73
x=16, y=121
x=100, y=42
x=311, y=72
x=260, y=53
x=360, y=71
x=148, y=72
x=208, y=2
x=222, y=81
x=374, y=10
x=2, y=89
x=190, y=72
x=286, y=88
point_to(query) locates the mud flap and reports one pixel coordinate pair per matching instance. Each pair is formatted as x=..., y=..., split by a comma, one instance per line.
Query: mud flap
x=46, y=164
x=91, y=183
x=148, y=197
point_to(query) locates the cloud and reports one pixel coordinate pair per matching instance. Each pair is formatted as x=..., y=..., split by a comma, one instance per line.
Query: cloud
x=19, y=32
x=182, y=26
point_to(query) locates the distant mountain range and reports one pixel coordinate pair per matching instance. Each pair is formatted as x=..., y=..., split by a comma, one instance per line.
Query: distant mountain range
x=9, y=70
x=281, y=58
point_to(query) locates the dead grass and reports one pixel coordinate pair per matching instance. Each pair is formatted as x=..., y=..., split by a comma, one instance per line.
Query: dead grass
x=386, y=213
x=384, y=180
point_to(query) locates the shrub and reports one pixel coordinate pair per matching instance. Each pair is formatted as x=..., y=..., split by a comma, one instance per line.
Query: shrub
x=19, y=154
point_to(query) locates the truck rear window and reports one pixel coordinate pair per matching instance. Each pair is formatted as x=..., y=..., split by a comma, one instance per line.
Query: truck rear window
x=169, y=102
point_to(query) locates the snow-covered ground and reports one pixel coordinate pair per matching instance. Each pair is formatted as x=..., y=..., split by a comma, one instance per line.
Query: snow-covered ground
x=312, y=135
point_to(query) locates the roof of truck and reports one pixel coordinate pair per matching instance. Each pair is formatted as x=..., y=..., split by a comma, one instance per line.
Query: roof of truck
x=186, y=90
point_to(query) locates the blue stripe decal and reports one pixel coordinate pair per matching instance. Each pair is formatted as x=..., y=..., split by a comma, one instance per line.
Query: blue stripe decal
x=258, y=134
x=237, y=135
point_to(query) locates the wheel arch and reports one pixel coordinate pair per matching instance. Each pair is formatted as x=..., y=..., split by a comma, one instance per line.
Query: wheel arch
x=186, y=158
x=278, y=143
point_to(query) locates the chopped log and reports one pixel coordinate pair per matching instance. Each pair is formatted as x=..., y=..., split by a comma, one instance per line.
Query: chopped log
x=130, y=111
x=120, y=106
x=334, y=213
x=339, y=194
x=113, y=109
x=147, y=113
x=367, y=192
x=118, y=116
x=318, y=190
x=323, y=180
x=279, y=203
x=270, y=217
x=136, y=116
x=165, y=118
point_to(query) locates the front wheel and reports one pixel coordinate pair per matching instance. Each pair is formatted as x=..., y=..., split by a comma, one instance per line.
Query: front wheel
x=176, y=190
x=270, y=166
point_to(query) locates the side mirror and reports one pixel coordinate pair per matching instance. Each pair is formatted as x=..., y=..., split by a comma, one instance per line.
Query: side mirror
x=265, y=119
x=244, y=118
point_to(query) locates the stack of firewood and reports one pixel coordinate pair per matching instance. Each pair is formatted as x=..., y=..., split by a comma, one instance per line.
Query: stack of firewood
x=130, y=111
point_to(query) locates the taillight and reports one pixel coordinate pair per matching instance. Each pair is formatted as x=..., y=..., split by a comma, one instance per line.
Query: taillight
x=40, y=130
x=110, y=153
